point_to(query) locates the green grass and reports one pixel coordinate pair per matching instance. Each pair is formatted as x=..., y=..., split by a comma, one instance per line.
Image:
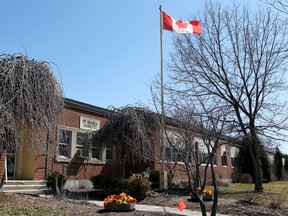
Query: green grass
x=8, y=211
x=274, y=193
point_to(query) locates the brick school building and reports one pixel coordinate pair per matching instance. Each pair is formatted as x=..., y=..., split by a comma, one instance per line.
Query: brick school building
x=65, y=153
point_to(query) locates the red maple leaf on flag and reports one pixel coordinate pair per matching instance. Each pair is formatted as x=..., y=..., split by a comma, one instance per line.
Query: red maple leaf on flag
x=181, y=24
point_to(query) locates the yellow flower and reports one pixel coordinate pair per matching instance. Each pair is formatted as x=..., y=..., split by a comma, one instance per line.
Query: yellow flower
x=119, y=199
x=205, y=191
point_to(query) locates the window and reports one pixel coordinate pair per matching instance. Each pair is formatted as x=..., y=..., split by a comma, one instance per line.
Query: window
x=234, y=162
x=170, y=154
x=81, y=151
x=224, y=158
x=96, y=153
x=234, y=156
x=214, y=160
x=80, y=140
x=72, y=143
x=64, y=142
x=109, y=153
x=176, y=148
x=204, y=158
x=173, y=155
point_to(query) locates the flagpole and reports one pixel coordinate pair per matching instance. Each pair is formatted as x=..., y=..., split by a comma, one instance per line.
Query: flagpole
x=162, y=86
x=163, y=176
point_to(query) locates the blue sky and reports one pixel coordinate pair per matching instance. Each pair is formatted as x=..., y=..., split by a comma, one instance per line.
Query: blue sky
x=107, y=52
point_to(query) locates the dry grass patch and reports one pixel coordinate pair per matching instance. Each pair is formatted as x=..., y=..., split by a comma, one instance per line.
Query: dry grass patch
x=275, y=193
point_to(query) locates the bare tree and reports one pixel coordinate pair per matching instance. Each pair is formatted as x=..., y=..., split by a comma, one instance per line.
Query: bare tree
x=134, y=131
x=196, y=124
x=280, y=5
x=239, y=61
x=30, y=99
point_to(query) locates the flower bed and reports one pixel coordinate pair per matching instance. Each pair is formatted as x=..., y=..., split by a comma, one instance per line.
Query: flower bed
x=121, y=202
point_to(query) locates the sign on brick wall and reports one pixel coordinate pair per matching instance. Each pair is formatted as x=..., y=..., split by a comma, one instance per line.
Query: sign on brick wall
x=89, y=123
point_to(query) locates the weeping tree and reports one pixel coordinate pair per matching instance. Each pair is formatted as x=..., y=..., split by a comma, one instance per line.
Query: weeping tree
x=134, y=131
x=240, y=61
x=30, y=100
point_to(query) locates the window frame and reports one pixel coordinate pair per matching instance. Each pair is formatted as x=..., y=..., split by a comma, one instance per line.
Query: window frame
x=60, y=133
x=224, y=160
x=74, y=146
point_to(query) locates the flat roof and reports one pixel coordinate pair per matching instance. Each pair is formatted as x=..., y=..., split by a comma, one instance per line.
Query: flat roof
x=69, y=103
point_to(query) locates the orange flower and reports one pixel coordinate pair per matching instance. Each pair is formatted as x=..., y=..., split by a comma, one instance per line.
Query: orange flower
x=205, y=191
x=119, y=199
x=208, y=192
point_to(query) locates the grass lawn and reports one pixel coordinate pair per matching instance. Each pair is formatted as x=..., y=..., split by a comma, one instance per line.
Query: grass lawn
x=5, y=211
x=274, y=193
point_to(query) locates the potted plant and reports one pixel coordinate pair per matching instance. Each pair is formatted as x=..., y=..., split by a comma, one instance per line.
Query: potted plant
x=121, y=202
x=208, y=195
x=205, y=195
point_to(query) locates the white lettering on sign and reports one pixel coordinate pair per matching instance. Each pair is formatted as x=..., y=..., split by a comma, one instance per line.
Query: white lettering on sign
x=89, y=123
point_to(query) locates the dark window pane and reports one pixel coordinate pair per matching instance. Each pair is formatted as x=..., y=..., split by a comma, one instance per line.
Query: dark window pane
x=96, y=153
x=109, y=154
x=224, y=159
x=80, y=139
x=64, y=142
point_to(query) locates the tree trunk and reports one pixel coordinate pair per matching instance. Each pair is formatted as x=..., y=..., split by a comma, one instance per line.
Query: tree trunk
x=215, y=202
x=203, y=207
x=254, y=154
x=216, y=190
x=201, y=202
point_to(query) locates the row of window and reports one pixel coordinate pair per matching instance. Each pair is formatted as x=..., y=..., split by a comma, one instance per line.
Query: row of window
x=71, y=144
x=171, y=155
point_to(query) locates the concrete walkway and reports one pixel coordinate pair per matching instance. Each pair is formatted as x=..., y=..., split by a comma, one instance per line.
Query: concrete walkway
x=164, y=209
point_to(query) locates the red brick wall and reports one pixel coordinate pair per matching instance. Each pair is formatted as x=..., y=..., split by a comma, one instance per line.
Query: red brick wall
x=76, y=169
x=2, y=166
x=221, y=172
x=71, y=118
x=84, y=171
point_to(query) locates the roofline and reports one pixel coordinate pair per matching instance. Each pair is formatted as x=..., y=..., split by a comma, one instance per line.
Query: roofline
x=74, y=104
x=70, y=103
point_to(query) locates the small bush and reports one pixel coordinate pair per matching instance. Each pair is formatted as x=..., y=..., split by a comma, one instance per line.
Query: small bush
x=245, y=178
x=110, y=184
x=138, y=187
x=235, y=176
x=55, y=179
x=179, y=187
x=154, y=178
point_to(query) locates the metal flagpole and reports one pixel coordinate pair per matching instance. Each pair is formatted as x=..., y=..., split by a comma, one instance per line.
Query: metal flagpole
x=163, y=180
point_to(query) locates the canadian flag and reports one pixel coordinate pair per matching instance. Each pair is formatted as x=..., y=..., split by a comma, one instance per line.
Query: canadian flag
x=178, y=26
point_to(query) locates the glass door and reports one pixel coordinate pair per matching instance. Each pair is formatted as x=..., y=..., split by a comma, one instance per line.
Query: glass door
x=11, y=162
